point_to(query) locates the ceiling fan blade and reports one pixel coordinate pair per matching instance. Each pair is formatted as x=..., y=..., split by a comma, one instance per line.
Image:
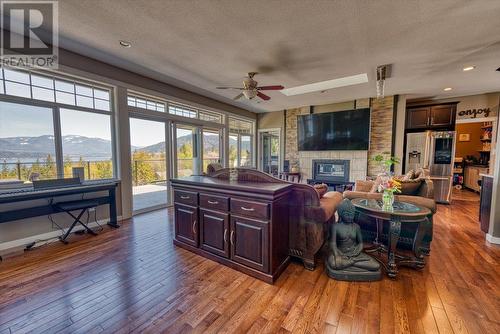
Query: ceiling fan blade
x=276, y=87
x=263, y=96
x=238, y=88
x=237, y=97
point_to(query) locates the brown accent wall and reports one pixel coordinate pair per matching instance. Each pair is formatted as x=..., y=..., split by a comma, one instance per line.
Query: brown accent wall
x=381, y=128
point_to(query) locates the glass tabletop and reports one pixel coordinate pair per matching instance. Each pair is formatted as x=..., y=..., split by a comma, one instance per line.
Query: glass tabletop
x=377, y=205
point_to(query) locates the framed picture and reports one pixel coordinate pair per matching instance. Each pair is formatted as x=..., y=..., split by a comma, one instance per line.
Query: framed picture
x=464, y=137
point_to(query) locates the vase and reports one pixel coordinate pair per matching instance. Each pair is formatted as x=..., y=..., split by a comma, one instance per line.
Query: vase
x=387, y=200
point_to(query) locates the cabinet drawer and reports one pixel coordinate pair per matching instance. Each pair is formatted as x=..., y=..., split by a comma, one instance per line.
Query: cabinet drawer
x=186, y=197
x=250, y=209
x=213, y=202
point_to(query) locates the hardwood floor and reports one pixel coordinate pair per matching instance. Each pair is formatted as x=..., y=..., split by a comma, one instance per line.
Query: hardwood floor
x=134, y=280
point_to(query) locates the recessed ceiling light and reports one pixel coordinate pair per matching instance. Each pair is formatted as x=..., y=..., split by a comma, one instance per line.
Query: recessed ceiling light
x=469, y=68
x=125, y=44
x=325, y=85
x=447, y=89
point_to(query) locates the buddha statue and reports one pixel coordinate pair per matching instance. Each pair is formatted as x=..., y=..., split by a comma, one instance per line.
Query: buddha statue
x=346, y=260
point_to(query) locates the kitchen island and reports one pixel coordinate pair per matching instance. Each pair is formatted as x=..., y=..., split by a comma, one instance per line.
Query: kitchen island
x=241, y=224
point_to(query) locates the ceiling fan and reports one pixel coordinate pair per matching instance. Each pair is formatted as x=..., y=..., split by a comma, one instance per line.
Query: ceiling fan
x=251, y=90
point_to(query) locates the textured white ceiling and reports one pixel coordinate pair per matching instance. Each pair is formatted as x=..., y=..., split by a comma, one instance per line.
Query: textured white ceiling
x=199, y=45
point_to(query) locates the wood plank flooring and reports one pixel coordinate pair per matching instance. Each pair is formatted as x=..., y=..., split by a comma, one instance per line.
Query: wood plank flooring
x=134, y=280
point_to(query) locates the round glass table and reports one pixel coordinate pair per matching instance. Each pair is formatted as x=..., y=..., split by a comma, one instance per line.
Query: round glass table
x=401, y=213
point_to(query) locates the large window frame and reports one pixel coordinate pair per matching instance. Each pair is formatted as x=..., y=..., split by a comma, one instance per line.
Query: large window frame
x=239, y=128
x=57, y=106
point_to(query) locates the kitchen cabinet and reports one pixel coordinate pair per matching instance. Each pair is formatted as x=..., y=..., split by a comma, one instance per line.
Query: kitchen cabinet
x=431, y=117
x=471, y=176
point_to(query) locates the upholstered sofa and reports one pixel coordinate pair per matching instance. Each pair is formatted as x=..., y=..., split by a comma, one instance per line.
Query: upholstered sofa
x=422, y=195
x=309, y=212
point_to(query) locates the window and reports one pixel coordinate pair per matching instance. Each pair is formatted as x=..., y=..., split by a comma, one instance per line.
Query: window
x=76, y=115
x=233, y=151
x=27, y=145
x=211, y=148
x=86, y=142
x=246, y=151
x=180, y=110
x=241, y=143
x=173, y=108
x=47, y=88
x=144, y=103
x=211, y=116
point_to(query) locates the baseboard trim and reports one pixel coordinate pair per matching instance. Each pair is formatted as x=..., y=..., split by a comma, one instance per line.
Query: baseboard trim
x=5, y=246
x=492, y=239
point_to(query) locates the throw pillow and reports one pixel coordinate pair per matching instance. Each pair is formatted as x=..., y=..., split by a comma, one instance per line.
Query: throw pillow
x=321, y=189
x=410, y=187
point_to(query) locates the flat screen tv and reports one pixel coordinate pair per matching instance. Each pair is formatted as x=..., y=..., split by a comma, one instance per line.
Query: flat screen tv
x=341, y=130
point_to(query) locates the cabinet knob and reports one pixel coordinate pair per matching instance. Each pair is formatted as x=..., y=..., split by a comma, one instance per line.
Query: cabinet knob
x=194, y=227
x=232, y=238
x=225, y=235
x=213, y=202
x=247, y=209
x=185, y=197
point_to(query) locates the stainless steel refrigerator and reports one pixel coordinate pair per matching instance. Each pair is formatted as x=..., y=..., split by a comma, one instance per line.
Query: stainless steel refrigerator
x=435, y=151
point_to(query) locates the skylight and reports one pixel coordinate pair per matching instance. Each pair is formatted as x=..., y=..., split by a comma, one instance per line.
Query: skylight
x=325, y=85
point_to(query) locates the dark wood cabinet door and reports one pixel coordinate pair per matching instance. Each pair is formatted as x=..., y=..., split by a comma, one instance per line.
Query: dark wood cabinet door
x=417, y=118
x=186, y=224
x=442, y=115
x=214, y=232
x=250, y=243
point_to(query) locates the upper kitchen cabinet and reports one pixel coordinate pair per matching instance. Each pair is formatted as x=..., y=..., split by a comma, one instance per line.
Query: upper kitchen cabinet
x=440, y=116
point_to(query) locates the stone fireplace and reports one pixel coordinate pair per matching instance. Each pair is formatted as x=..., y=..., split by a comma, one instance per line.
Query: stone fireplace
x=334, y=171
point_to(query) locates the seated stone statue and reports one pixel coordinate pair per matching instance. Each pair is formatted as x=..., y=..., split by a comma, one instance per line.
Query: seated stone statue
x=346, y=260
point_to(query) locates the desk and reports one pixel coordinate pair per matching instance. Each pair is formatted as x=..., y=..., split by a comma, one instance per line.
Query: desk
x=403, y=213
x=29, y=194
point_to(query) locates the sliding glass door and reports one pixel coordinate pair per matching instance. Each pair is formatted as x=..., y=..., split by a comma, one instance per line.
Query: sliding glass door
x=211, y=147
x=149, y=164
x=186, y=139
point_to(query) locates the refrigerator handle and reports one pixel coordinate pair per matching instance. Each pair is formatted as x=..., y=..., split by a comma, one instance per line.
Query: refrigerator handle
x=427, y=149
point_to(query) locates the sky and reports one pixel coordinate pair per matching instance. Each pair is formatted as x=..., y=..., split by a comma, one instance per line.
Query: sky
x=18, y=120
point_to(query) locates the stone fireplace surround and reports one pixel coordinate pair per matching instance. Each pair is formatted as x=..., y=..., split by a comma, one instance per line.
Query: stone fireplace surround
x=357, y=168
x=361, y=166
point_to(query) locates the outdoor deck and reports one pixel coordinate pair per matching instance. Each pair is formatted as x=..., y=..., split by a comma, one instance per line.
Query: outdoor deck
x=149, y=195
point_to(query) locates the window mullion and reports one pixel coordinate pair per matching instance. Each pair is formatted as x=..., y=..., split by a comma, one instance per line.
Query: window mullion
x=58, y=142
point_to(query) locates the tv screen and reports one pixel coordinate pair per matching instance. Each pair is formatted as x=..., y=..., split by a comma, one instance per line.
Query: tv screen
x=341, y=130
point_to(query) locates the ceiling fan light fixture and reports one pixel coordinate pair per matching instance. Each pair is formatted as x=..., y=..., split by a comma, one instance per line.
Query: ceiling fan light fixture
x=250, y=94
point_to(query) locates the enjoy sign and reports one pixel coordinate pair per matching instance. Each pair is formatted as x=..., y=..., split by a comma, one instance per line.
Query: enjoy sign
x=475, y=113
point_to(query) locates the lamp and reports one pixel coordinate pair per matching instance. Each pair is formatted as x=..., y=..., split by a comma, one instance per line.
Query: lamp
x=383, y=72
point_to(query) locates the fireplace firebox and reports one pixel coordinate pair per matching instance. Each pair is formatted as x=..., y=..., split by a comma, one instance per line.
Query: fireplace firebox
x=331, y=171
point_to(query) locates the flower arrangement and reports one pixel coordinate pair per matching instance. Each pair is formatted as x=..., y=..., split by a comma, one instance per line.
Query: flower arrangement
x=392, y=185
x=388, y=184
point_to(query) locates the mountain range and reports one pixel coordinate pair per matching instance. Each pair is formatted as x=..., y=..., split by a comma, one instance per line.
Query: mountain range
x=32, y=148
